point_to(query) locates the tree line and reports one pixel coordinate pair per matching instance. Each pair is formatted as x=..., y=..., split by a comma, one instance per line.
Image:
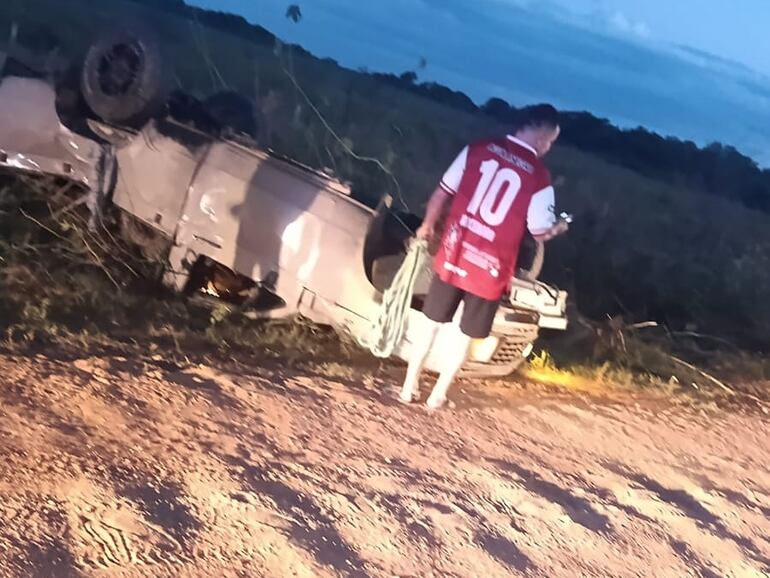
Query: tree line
x=717, y=169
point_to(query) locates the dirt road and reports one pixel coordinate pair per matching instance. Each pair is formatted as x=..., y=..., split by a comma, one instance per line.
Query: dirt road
x=118, y=468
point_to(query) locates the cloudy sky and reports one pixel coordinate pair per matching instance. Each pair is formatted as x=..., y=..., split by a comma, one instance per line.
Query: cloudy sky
x=697, y=69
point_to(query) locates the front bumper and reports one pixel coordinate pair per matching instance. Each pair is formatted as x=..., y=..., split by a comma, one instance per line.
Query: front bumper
x=58, y=166
x=34, y=141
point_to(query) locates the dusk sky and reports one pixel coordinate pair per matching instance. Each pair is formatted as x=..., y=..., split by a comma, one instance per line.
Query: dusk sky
x=696, y=69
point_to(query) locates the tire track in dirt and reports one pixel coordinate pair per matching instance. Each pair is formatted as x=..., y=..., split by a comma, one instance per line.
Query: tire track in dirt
x=579, y=510
x=28, y=552
x=503, y=550
x=110, y=532
x=113, y=543
x=312, y=529
x=694, y=510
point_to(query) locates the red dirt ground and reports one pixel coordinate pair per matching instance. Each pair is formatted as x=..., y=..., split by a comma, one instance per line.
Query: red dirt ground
x=119, y=468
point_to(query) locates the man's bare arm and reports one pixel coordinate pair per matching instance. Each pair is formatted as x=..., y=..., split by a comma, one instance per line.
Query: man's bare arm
x=436, y=204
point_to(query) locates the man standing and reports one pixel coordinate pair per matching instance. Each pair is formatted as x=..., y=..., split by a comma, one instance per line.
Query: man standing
x=496, y=188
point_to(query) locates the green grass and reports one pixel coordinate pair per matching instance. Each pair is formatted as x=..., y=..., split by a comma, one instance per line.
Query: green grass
x=655, y=252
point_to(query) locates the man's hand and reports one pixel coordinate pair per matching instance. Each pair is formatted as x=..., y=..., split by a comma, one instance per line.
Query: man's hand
x=426, y=232
x=559, y=228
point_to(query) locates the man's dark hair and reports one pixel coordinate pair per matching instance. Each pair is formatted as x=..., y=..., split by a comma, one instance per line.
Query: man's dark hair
x=537, y=116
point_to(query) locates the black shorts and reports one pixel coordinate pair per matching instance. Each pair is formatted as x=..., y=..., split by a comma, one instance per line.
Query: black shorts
x=442, y=302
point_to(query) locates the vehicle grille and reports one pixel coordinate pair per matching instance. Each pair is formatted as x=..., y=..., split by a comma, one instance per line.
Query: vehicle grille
x=513, y=344
x=509, y=351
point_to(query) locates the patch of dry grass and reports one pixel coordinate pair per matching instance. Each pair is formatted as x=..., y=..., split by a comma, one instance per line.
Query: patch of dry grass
x=64, y=285
x=657, y=365
x=587, y=376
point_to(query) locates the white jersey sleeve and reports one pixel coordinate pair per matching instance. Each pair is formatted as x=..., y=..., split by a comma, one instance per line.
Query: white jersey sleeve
x=541, y=215
x=454, y=175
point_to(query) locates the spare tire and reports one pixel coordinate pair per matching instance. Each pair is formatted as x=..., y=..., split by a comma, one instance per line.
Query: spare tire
x=123, y=80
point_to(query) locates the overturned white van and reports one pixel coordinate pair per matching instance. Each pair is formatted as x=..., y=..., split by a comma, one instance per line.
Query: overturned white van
x=235, y=219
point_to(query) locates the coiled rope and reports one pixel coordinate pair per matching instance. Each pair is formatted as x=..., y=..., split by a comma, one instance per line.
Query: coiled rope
x=388, y=329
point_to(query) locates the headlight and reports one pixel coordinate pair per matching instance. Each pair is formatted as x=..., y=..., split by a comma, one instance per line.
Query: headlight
x=483, y=350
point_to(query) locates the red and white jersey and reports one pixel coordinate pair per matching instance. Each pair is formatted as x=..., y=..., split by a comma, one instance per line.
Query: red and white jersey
x=499, y=187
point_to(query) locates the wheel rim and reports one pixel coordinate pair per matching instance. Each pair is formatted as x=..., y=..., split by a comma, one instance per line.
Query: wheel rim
x=120, y=68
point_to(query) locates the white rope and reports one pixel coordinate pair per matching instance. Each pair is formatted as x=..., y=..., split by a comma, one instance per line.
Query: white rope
x=388, y=329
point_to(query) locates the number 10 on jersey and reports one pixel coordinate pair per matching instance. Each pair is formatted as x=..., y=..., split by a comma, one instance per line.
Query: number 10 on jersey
x=494, y=182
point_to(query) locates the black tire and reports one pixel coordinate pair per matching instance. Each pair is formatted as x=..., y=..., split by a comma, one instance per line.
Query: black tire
x=123, y=80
